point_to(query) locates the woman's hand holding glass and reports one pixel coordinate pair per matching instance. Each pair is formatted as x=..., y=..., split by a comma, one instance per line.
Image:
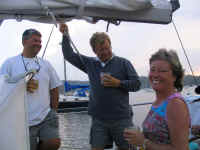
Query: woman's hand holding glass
x=134, y=136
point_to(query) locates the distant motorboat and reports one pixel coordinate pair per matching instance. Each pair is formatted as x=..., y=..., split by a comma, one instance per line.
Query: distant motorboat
x=72, y=103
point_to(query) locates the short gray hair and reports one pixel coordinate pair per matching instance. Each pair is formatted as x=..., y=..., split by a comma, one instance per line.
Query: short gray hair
x=28, y=33
x=172, y=58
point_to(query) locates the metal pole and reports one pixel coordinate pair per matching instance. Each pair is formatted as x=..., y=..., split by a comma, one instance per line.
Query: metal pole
x=65, y=76
x=140, y=104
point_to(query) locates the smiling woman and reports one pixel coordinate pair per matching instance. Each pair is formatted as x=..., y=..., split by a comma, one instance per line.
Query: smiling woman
x=161, y=128
x=166, y=64
x=160, y=72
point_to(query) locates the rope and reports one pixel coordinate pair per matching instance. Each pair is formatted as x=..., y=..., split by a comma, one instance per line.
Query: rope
x=115, y=22
x=48, y=41
x=195, y=80
x=74, y=46
x=107, y=26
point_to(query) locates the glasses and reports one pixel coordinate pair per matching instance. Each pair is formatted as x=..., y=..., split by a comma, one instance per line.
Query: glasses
x=102, y=49
x=160, y=70
x=30, y=32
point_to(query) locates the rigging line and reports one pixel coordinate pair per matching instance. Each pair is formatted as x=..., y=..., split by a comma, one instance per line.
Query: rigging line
x=48, y=41
x=65, y=75
x=74, y=46
x=185, y=52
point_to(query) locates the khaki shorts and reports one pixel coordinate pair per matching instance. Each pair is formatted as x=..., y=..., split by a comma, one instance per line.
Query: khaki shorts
x=47, y=129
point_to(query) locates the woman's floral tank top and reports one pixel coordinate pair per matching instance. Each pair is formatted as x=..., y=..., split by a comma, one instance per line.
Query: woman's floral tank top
x=155, y=126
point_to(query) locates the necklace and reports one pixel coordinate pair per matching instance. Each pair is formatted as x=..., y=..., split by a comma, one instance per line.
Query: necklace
x=36, y=61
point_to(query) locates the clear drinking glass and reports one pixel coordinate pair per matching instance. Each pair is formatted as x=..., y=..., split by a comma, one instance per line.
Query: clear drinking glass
x=133, y=128
x=102, y=76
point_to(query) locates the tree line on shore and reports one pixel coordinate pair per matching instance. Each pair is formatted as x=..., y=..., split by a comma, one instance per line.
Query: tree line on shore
x=189, y=80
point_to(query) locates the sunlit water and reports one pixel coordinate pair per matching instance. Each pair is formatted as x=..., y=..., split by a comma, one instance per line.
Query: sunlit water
x=75, y=127
x=74, y=131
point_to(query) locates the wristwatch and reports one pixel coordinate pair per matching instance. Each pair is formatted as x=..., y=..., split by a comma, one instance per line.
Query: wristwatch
x=121, y=84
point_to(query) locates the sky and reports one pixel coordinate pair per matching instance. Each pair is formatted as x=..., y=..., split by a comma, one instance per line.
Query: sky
x=134, y=41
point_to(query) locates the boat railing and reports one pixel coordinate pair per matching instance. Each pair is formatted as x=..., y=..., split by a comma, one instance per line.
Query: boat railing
x=141, y=104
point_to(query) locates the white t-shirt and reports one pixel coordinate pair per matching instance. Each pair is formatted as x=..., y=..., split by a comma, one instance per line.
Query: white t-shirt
x=39, y=101
x=194, y=110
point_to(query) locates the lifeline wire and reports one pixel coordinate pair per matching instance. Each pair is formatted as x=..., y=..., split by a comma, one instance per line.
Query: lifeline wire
x=184, y=52
x=48, y=41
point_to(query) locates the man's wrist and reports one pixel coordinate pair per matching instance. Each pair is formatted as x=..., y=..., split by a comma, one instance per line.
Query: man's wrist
x=121, y=84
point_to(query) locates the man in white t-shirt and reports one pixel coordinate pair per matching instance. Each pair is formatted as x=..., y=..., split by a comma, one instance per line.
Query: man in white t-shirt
x=193, y=103
x=42, y=92
x=194, y=108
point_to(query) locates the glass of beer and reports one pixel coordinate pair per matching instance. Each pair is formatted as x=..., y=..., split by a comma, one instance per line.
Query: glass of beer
x=32, y=85
x=36, y=83
x=102, y=76
x=133, y=128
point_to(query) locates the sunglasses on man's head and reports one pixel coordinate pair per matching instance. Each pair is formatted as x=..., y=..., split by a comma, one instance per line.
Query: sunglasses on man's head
x=30, y=31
